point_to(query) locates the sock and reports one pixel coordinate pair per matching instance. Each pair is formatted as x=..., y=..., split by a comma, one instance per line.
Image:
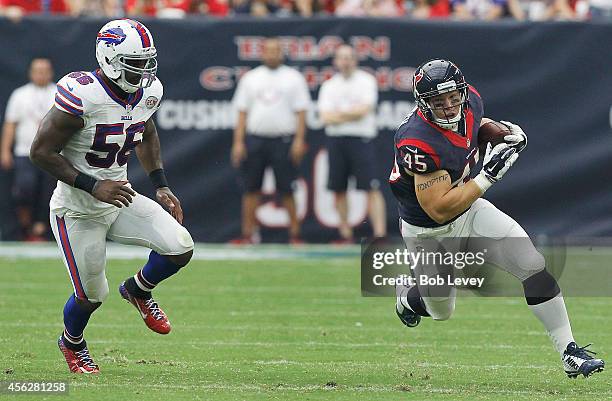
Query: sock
x=553, y=316
x=546, y=302
x=412, y=300
x=157, y=269
x=75, y=320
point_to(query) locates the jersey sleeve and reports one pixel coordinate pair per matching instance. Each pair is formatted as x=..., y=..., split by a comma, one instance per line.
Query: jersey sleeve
x=301, y=98
x=371, y=92
x=241, y=96
x=71, y=95
x=324, y=102
x=476, y=99
x=416, y=156
x=154, y=96
x=13, y=108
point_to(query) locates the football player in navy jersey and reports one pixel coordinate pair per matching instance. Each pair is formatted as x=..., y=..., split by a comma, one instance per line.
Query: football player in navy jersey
x=439, y=184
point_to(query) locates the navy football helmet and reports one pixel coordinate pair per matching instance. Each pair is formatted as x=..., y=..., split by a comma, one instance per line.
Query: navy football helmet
x=433, y=78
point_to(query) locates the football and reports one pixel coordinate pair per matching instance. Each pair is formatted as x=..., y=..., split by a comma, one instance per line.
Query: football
x=491, y=132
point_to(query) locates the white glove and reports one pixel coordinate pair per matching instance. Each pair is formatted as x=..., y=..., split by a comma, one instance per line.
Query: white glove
x=517, y=138
x=496, y=162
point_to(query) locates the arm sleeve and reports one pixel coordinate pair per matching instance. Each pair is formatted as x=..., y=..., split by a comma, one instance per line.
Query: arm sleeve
x=324, y=102
x=371, y=95
x=241, y=100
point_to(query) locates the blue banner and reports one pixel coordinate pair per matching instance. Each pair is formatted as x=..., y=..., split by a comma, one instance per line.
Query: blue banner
x=553, y=79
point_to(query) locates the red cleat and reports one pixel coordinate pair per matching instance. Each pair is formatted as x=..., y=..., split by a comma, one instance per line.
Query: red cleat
x=241, y=241
x=78, y=361
x=151, y=313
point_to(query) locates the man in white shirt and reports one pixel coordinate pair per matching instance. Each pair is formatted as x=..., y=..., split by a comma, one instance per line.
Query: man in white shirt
x=32, y=187
x=347, y=103
x=271, y=100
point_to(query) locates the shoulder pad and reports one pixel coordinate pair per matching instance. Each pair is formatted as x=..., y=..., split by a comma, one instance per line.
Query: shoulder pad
x=76, y=92
x=417, y=156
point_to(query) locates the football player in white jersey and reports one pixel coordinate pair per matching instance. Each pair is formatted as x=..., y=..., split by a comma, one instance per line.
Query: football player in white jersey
x=85, y=141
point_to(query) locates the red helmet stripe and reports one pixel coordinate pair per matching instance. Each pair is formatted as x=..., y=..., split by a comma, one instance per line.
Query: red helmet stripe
x=142, y=32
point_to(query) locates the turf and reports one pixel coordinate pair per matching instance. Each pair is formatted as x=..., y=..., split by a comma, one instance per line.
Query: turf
x=285, y=330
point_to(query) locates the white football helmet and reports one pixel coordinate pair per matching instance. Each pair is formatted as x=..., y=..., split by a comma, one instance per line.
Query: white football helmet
x=126, y=54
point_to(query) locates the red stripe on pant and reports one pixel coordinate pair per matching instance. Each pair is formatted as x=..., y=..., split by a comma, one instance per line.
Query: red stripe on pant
x=72, y=267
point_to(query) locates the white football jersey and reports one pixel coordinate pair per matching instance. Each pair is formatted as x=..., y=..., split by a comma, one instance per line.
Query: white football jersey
x=113, y=127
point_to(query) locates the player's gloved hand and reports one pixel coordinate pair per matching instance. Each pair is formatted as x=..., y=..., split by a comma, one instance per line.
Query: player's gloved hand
x=496, y=162
x=517, y=139
x=113, y=192
x=165, y=196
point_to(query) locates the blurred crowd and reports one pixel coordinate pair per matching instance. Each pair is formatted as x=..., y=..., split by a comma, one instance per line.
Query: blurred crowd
x=534, y=10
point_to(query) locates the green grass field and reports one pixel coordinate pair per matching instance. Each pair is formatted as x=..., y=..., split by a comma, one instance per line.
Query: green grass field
x=288, y=330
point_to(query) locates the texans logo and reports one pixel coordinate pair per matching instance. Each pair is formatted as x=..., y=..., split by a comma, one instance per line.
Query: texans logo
x=418, y=77
x=113, y=36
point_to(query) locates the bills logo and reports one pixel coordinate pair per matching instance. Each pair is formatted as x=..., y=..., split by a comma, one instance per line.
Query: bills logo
x=113, y=36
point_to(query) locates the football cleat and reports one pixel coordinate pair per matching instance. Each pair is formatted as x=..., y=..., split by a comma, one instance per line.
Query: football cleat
x=577, y=361
x=151, y=313
x=78, y=361
x=407, y=316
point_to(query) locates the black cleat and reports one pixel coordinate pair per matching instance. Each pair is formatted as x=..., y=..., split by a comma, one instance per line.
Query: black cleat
x=577, y=361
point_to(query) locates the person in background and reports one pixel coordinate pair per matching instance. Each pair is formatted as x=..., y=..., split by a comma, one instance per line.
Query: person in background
x=101, y=8
x=16, y=9
x=430, y=9
x=32, y=187
x=487, y=10
x=271, y=101
x=347, y=103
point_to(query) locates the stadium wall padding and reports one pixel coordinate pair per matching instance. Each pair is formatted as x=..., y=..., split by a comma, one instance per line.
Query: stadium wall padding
x=552, y=78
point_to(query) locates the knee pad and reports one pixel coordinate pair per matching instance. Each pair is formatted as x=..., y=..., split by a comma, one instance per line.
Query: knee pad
x=97, y=294
x=183, y=238
x=440, y=308
x=86, y=304
x=540, y=288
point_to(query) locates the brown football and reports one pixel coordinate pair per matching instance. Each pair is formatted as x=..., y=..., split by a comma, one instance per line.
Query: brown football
x=491, y=132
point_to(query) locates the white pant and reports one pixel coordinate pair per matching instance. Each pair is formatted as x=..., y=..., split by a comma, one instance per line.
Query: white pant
x=482, y=220
x=83, y=241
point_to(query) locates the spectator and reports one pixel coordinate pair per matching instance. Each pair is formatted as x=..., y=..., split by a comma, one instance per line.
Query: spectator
x=16, y=9
x=101, y=8
x=428, y=9
x=373, y=8
x=541, y=10
x=217, y=8
x=478, y=9
x=271, y=100
x=600, y=9
x=165, y=8
x=350, y=8
x=31, y=186
x=382, y=8
x=347, y=103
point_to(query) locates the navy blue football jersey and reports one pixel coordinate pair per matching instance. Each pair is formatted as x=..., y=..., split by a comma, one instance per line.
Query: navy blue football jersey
x=422, y=147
